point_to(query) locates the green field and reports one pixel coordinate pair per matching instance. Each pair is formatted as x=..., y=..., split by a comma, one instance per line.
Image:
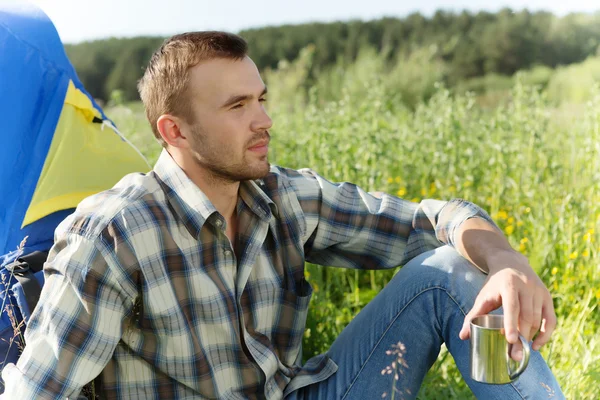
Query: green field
x=533, y=163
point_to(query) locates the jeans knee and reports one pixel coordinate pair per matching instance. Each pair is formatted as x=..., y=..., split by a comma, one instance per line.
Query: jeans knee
x=445, y=268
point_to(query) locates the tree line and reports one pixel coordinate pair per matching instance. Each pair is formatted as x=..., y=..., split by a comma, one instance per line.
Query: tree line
x=469, y=44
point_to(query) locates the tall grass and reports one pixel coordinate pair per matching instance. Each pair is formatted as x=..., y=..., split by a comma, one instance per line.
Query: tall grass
x=534, y=167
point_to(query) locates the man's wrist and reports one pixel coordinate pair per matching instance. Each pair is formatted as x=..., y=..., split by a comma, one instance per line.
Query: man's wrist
x=500, y=258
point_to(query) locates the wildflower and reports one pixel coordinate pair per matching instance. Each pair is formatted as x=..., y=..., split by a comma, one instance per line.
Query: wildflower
x=511, y=220
x=598, y=293
x=522, y=247
x=509, y=229
x=415, y=200
x=502, y=214
x=520, y=223
x=585, y=253
x=390, y=180
x=527, y=210
x=432, y=188
x=524, y=240
x=452, y=189
x=401, y=192
x=573, y=255
x=423, y=192
x=398, y=179
x=554, y=271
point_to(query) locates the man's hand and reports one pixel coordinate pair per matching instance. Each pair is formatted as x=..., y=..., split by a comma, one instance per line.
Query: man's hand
x=528, y=306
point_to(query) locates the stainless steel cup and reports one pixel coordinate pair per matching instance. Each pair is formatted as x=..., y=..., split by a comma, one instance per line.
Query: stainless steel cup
x=490, y=352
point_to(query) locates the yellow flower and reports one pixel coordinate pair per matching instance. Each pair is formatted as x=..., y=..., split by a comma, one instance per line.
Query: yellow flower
x=398, y=179
x=509, y=230
x=598, y=293
x=401, y=192
x=432, y=188
x=390, y=180
x=467, y=184
x=423, y=192
x=519, y=223
x=315, y=287
x=555, y=285
x=511, y=220
x=573, y=255
x=524, y=240
x=586, y=253
x=415, y=200
x=452, y=189
x=502, y=214
x=554, y=271
x=527, y=210
x=522, y=247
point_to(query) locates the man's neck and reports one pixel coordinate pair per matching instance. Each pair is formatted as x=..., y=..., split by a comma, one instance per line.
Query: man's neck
x=222, y=194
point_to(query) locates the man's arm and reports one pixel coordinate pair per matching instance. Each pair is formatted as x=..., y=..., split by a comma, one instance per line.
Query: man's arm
x=348, y=227
x=511, y=283
x=75, y=327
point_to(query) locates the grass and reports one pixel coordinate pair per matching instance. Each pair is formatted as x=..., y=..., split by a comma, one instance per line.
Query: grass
x=534, y=167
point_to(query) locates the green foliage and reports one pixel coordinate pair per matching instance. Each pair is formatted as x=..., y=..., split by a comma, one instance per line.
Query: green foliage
x=533, y=165
x=451, y=47
x=112, y=64
x=574, y=83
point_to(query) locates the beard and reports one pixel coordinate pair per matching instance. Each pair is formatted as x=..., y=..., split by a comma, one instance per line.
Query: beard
x=224, y=163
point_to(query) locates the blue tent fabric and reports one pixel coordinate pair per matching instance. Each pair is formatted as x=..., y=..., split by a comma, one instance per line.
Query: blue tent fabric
x=33, y=83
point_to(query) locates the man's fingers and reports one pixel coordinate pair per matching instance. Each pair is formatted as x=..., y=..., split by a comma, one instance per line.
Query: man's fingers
x=525, y=315
x=548, y=325
x=483, y=305
x=510, y=302
x=516, y=352
x=538, y=306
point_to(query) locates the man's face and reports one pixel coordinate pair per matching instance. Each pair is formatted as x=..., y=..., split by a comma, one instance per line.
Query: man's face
x=229, y=136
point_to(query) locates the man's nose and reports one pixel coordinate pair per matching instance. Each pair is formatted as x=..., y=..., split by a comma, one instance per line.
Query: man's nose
x=262, y=121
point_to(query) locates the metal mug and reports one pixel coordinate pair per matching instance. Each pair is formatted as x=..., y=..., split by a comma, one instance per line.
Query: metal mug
x=490, y=352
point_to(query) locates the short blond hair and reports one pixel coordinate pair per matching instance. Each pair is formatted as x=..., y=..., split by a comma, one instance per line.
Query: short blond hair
x=163, y=88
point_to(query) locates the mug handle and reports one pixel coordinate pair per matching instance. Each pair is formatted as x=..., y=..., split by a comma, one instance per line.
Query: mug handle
x=524, y=361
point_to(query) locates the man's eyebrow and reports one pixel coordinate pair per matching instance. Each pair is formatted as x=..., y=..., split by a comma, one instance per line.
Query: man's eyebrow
x=241, y=97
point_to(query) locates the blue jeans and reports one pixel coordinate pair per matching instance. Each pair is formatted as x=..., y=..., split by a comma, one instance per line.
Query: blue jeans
x=423, y=306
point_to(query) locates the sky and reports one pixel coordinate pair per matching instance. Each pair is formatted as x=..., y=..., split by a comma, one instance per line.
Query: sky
x=79, y=20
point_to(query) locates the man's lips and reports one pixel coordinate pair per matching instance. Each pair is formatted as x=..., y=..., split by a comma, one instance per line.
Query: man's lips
x=261, y=147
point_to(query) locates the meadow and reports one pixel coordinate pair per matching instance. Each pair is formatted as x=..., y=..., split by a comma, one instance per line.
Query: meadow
x=533, y=163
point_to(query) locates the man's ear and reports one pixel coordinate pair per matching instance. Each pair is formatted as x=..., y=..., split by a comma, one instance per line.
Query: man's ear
x=170, y=128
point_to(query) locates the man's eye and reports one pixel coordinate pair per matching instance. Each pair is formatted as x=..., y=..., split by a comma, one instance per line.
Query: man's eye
x=262, y=100
x=237, y=106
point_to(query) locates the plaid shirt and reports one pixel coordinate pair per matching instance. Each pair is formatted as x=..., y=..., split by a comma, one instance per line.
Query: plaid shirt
x=144, y=289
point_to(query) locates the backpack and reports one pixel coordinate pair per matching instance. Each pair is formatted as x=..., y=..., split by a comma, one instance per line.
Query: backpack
x=21, y=281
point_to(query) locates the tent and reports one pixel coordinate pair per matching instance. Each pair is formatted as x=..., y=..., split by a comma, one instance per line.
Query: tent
x=57, y=145
x=55, y=148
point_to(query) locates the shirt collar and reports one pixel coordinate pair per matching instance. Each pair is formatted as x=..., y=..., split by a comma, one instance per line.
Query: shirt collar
x=257, y=200
x=193, y=207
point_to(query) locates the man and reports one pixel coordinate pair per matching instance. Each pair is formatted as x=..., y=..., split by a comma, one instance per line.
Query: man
x=188, y=282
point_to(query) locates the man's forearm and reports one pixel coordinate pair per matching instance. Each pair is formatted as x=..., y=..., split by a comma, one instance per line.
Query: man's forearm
x=479, y=242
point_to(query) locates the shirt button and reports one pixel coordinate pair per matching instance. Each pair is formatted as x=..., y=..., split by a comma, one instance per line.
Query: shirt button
x=219, y=223
x=227, y=253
